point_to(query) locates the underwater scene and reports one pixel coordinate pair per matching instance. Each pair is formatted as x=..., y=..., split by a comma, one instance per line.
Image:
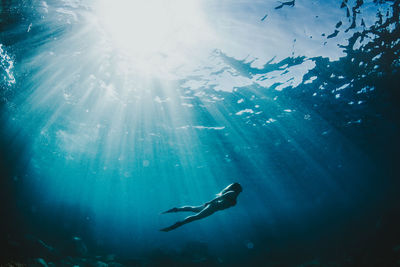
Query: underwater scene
x=199, y=133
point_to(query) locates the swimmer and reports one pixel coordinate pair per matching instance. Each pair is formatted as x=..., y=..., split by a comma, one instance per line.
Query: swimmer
x=225, y=199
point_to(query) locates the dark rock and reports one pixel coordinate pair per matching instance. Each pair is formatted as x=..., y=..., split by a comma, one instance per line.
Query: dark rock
x=110, y=257
x=38, y=248
x=100, y=264
x=132, y=262
x=41, y=262
x=13, y=264
x=313, y=263
x=78, y=247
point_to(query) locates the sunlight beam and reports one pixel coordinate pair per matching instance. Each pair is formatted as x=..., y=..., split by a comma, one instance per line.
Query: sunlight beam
x=144, y=30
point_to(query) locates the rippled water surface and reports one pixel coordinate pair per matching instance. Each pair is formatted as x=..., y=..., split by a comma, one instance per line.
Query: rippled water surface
x=114, y=111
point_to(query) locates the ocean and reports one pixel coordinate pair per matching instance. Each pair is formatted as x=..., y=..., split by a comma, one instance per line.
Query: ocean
x=112, y=112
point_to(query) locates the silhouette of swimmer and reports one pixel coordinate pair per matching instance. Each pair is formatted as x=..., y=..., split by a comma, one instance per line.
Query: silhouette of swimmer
x=225, y=199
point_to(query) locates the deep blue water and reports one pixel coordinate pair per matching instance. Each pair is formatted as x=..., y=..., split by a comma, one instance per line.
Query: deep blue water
x=113, y=113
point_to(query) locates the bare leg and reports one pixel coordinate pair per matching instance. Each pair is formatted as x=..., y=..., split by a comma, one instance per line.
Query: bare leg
x=207, y=211
x=186, y=208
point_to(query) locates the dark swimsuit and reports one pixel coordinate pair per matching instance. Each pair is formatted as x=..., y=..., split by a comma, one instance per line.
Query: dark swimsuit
x=224, y=203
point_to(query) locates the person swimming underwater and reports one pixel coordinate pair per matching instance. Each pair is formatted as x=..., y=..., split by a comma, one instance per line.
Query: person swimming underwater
x=225, y=199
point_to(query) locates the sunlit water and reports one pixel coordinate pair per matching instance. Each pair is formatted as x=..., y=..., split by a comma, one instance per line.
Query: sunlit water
x=117, y=110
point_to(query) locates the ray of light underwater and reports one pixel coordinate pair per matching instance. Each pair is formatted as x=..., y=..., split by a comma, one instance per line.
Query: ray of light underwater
x=112, y=112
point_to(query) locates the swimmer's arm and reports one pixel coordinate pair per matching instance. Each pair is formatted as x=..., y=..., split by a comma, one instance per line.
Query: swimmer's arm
x=225, y=195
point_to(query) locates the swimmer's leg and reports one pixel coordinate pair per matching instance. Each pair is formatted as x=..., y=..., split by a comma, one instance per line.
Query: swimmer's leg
x=207, y=211
x=186, y=208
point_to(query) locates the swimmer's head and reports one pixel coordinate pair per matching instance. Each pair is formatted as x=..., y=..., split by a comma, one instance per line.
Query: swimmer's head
x=236, y=187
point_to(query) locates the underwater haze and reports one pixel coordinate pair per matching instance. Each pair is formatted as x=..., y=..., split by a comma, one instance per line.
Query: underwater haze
x=112, y=112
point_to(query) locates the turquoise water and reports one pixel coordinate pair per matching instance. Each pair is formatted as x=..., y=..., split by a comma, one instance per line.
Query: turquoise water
x=113, y=113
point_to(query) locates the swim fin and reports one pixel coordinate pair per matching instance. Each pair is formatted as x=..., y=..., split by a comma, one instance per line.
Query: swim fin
x=171, y=210
x=172, y=227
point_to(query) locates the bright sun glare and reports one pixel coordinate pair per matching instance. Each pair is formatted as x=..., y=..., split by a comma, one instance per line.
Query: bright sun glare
x=145, y=28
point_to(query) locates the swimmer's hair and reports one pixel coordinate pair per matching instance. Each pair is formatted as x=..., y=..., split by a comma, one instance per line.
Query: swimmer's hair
x=236, y=187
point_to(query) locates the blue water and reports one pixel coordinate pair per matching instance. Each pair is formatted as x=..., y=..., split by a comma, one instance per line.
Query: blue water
x=113, y=113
